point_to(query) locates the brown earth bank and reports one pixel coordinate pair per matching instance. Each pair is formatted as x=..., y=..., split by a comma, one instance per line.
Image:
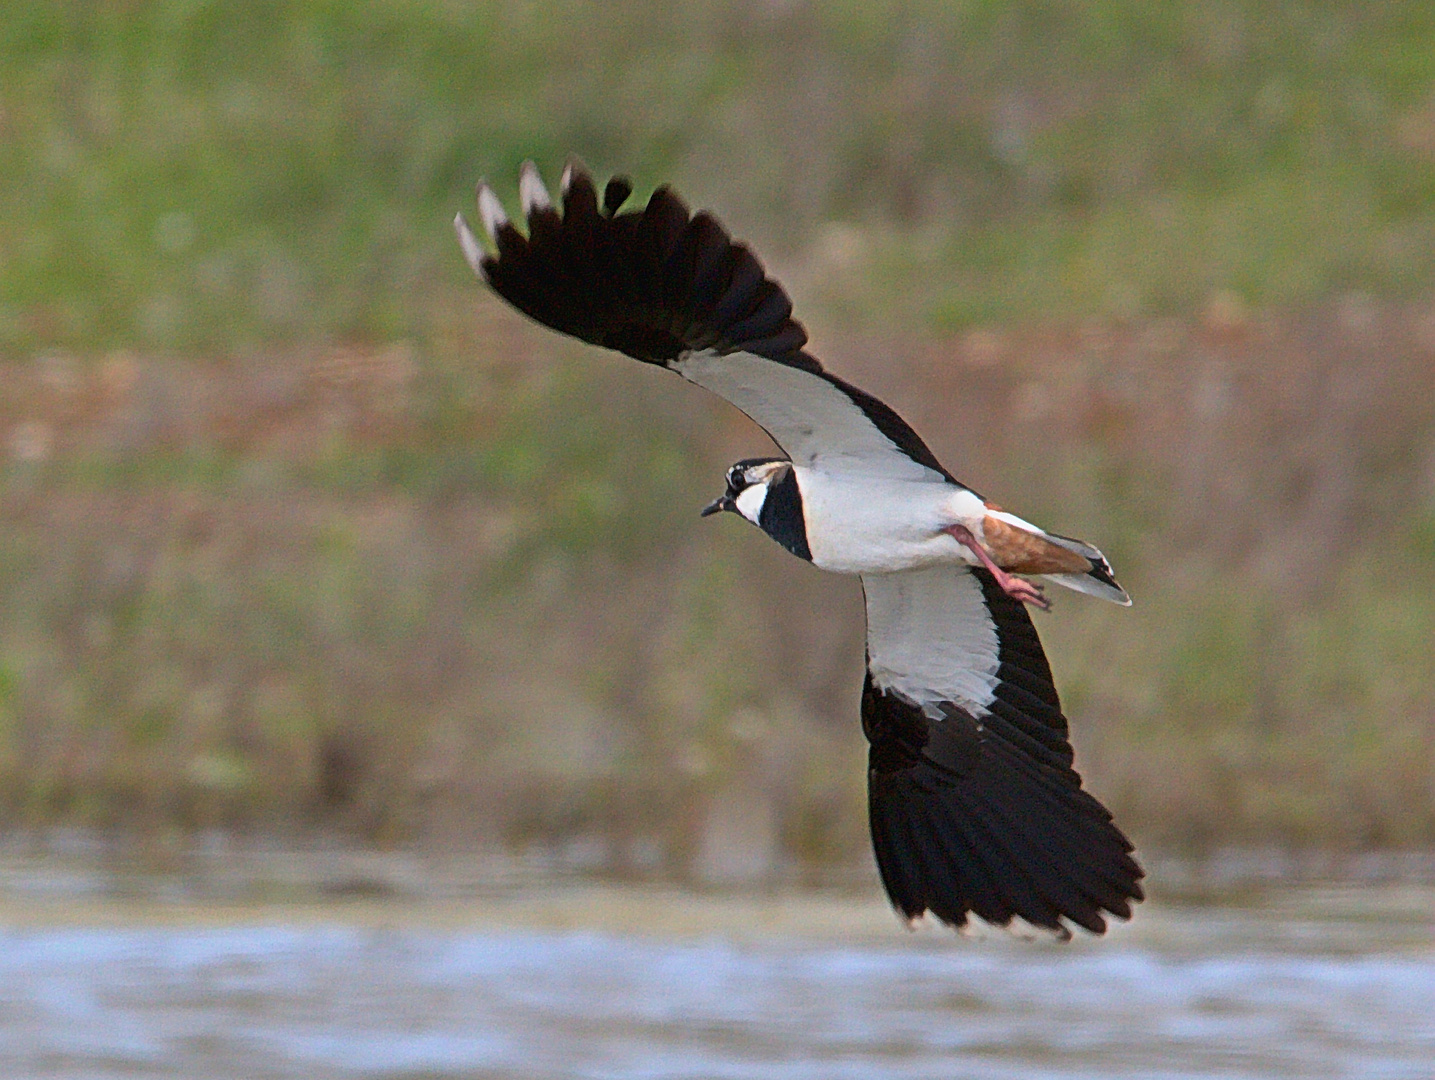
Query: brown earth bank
x=208, y=869
x=454, y=590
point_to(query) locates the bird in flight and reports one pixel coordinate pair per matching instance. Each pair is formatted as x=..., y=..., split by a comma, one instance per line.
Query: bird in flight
x=974, y=806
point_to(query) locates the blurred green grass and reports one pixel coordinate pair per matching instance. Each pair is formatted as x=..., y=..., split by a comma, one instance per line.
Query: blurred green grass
x=298, y=529
x=192, y=176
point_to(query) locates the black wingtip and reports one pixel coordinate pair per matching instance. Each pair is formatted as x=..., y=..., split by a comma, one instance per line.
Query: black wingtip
x=615, y=194
x=966, y=823
x=651, y=283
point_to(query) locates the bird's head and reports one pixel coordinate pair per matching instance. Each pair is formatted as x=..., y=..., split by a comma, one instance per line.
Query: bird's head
x=747, y=486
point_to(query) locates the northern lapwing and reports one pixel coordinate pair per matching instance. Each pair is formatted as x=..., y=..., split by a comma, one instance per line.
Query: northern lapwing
x=974, y=806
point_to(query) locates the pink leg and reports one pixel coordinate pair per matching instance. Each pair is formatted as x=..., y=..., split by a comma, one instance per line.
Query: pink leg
x=1015, y=587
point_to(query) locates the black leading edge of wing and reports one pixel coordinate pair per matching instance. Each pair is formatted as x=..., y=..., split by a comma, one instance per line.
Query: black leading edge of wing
x=659, y=283
x=983, y=814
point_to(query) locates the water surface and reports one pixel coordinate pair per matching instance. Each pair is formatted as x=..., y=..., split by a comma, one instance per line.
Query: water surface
x=598, y=983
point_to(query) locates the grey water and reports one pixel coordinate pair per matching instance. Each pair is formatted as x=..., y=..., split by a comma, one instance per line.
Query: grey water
x=595, y=983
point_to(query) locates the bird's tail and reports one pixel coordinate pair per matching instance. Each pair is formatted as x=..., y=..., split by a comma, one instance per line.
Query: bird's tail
x=1098, y=581
x=1024, y=548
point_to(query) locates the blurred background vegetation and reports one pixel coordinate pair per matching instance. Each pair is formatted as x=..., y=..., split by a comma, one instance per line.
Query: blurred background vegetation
x=301, y=531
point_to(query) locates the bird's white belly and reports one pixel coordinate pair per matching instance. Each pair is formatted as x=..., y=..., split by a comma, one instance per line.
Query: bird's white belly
x=865, y=525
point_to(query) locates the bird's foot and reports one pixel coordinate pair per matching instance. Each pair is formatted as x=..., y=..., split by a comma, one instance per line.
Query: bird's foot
x=1027, y=592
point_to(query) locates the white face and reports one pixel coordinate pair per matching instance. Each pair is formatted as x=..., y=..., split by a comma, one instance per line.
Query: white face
x=756, y=478
x=749, y=501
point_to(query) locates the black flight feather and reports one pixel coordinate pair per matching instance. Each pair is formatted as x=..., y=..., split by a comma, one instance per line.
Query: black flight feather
x=994, y=791
x=660, y=282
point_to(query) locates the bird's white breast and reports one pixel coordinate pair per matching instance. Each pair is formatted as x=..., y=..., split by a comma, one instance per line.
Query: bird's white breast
x=865, y=524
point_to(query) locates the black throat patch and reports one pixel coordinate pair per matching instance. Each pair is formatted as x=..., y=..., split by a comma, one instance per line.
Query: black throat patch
x=781, y=516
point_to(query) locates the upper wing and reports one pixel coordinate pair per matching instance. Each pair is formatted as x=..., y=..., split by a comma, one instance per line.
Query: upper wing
x=672, y=288
x=974, y=805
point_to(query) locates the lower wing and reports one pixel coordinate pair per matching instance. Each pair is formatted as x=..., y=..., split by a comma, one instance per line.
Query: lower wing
x=974, y=805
